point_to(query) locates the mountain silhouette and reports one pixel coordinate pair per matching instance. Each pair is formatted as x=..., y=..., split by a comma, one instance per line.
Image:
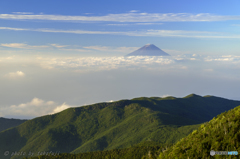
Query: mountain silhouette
x=148, y=50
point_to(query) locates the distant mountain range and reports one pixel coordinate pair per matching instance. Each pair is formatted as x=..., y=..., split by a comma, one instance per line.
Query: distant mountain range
x=114, y=125
x=148, y=50
x=219, y=134
x=6, y=123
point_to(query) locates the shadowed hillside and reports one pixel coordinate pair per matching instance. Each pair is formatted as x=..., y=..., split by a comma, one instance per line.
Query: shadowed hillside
x=9, y=123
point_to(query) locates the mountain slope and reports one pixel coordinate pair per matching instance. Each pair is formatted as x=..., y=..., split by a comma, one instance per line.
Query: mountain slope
x=148, y=50
x=120, y=124
x=6, y=123
x=140, y=151
x=220, y=134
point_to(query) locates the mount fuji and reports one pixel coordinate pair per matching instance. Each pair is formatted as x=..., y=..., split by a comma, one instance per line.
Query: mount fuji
x=148, y=50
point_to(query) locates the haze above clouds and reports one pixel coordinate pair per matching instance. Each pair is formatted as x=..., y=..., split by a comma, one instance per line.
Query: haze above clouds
x=53, y=58
x=45, y=85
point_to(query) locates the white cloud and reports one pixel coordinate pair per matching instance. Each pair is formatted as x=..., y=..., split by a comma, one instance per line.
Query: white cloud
x=182, y=33
x=189, y=57
x=132, y=16
x=60, y=108
x=14, y=75
x=148, y=33
x=119, y=24
x=103, y=63
x=148, y=23
x=63, y=31
x=113, y=62
x=133, y=11
x=7, y=58
x=23, y=46
x=75, y=50
x=26, y=46
x=166, y=95
x=71, y=48
x=77, y=63
x=100, y=48
x=112, y=49
x=226, y=58
x=58, y=46
x=22, y=12
x=14, y=45
x=15, y=29
x=36, y=107
x=127, y=24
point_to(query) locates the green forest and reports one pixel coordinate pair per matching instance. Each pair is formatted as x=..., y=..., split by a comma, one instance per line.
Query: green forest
x=138, y=128
x=219, y=134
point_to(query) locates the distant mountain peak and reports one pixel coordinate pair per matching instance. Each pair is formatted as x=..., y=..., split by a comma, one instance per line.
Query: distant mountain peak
x=148, y=50
x=192, y=95
x=147, y=45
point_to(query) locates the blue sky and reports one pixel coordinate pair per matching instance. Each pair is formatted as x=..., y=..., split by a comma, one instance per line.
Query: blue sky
x=173, y=25
x=59, y=54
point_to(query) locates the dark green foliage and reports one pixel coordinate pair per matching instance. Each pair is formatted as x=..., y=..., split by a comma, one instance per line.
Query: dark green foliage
x=116, y=125
x=9, y=123
x=220, y=134
x=143, y=150
x=193, y=106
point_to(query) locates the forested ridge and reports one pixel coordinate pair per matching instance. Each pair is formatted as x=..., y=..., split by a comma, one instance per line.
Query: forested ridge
x=113, y=128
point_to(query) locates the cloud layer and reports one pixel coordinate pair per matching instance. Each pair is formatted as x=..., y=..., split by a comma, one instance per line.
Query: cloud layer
x=132, y=16
x=85, y=64
x=36, y=107
x=14, y=75
x=79, y=80
x=69, y=47
x=103, y=63
x=147, y=33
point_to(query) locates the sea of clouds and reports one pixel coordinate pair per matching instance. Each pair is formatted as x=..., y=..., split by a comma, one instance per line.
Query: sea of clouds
x=39, y=85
